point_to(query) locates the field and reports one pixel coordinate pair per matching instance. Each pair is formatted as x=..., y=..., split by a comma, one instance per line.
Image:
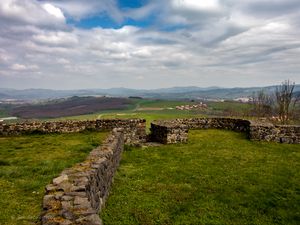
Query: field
x=29, y=163
x=103, y=107
x=70, y=106
x=219, y=177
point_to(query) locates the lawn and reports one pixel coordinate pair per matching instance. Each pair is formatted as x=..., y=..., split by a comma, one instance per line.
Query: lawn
x=28, y=164
x=219, y=177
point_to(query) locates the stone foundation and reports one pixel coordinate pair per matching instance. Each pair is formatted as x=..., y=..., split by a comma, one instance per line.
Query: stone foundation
x=79, y=193
x=134, y=129
x=176, y=131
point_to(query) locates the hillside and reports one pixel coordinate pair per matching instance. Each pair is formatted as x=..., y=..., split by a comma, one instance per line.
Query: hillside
x=69, y=107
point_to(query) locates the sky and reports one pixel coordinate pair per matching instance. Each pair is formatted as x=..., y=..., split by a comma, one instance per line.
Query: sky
x=145, y=44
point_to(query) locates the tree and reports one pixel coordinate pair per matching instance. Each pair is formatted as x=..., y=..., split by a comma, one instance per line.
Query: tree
x=285, y=101
x=262, y=103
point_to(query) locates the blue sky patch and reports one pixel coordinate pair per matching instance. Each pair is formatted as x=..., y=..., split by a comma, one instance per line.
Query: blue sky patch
x=131, y=3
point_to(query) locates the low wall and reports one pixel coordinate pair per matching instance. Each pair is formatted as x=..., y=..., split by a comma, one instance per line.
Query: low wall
x=78, y=194
x=168, y=133
x=134, y=129
x=176, y=131
x=275, y=133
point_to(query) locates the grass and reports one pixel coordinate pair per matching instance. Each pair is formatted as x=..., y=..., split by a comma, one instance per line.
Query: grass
x=230, y=108
x=148, y=115
x=157, y=103
x=219, y=177
x=29, y=163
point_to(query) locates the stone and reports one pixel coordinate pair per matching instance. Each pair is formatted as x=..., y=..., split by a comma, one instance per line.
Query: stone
x=83, y=202
x=90, y=220
x=60, y=179
x=48, y=201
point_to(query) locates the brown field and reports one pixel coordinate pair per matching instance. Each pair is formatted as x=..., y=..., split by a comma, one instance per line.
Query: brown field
x=70, y=107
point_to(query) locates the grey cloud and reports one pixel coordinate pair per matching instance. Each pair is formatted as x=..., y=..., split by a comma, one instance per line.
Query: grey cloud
x=208, y=48
x=267, y=8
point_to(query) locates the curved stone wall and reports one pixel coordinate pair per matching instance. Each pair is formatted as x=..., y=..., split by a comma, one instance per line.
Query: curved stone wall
x=77, y=195
x=176, y=131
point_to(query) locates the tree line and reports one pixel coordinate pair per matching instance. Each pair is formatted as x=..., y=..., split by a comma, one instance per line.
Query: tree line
x=280, y=105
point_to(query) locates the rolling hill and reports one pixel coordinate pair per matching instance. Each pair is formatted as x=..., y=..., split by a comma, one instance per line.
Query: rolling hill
x=69, y=107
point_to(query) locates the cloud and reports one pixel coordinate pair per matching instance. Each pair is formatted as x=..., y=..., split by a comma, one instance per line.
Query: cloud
x=78, y=9
x=21, y=67
x=56, y=38
x=211, y=6
x=54, y=11
x=224, y=43
x=30, y=12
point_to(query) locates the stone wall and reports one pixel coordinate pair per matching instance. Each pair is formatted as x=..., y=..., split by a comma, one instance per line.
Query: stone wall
x=167, y=133
x=79, y=193
x=134, y=129
x=176, y=131
x=274, y=133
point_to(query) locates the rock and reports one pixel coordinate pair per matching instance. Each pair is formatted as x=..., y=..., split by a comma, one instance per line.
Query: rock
x=82, y=202
x=60, y=179
x=47, y=201
x=90, y=220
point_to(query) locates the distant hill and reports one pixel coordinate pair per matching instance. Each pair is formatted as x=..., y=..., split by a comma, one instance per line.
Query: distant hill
x=191, y=92
x=69, y=107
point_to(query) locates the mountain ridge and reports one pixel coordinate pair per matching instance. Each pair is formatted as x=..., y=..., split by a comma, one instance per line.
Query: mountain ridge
x=179, y=92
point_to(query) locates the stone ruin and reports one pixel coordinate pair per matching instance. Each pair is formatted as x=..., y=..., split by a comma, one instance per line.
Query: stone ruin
x=78, y=194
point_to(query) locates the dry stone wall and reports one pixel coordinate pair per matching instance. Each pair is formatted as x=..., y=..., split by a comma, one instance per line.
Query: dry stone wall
x=134, y=129
x=275, y=133
x=176, y=131
x=79, y=193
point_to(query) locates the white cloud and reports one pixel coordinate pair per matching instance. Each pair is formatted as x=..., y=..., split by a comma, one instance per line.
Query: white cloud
x=30, y=12
x=204, y=5
x=63, y=61
x=56, y=38
x=21, y=67
x=54, y=11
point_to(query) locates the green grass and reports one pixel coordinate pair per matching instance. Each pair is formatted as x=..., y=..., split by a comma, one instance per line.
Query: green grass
x=157, y=103
x=215, y=108
x=148, y=115
x=29, y=163
x=230, y=108
x=219, y=177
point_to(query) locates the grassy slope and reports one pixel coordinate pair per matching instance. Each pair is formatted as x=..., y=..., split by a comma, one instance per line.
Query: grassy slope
x=162, y=103
x=149, y=115
x=27, y=165
x=218, y=178
x=230, y=107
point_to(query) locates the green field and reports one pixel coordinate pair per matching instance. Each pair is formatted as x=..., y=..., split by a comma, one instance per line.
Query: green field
x=230, y=108
x=219, y=177
x=145, y=109
x=29, y=163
